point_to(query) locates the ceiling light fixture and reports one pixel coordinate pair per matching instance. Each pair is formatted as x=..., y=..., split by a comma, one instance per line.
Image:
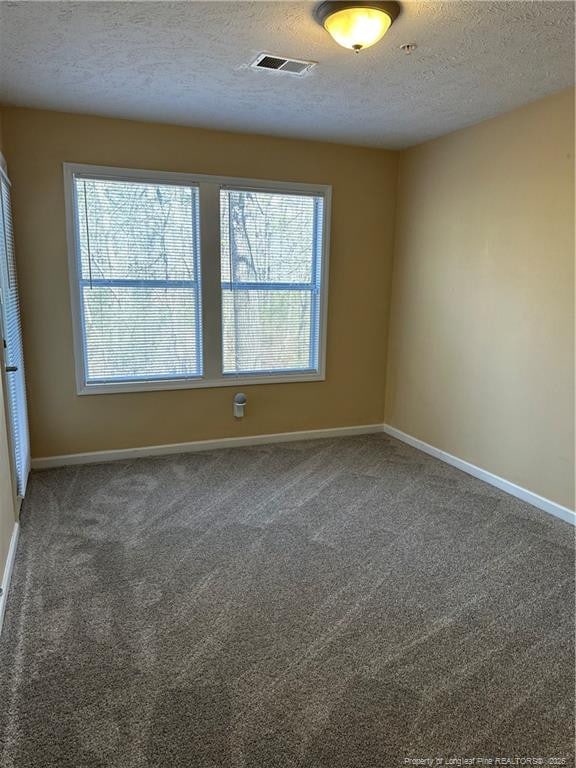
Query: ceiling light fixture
x=356, y=25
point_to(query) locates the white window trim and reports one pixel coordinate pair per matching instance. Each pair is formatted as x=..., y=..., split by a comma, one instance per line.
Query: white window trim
x=210, y=277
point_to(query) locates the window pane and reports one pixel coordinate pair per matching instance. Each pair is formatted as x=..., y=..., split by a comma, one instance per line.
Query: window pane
x=138, y=263
x=271, y=246
x=267, y=237
x=140, y=333
x=266, y=330
x=138, y=231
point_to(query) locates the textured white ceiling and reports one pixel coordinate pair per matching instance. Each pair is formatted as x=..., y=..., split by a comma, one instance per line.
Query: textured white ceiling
x=187, y=62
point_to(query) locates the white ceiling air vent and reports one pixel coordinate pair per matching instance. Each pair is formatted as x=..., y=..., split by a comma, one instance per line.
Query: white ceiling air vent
x=266, y=61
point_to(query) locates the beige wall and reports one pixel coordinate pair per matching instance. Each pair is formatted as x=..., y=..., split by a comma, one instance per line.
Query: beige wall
x=363, y=180
x=481, y=338
x=7, y=500
x=481, y=348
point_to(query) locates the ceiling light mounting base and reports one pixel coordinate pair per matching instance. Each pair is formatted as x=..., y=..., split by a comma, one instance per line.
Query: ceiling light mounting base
x=329, y=7
x=356, y=24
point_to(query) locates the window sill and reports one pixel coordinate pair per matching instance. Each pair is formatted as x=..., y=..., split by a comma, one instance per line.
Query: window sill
x=227, y=380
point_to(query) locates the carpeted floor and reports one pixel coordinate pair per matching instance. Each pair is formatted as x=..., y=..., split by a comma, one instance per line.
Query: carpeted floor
x=331, y=604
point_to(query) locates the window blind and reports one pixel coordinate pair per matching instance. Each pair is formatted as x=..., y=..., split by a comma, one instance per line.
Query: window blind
x=139, y=280
x=181, y=281
x=271, y=246
x=14, y=354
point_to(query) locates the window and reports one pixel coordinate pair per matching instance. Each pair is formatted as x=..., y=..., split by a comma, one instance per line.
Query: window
x=190, y=281
x=138, y=280
x=270, y=281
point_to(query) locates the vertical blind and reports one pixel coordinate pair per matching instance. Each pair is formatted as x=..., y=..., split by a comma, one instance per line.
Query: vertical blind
x=139, y=280
x=271, y=245
x=13, y=353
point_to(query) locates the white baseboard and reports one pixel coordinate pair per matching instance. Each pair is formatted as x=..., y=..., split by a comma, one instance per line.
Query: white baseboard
x=97, y=457
x=8, y=568
x=499, y=482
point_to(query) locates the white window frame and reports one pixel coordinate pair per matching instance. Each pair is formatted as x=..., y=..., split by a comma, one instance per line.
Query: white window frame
x=210, y=286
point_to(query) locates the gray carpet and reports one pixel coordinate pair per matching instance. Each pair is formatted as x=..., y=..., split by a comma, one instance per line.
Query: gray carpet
x=331, y=604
